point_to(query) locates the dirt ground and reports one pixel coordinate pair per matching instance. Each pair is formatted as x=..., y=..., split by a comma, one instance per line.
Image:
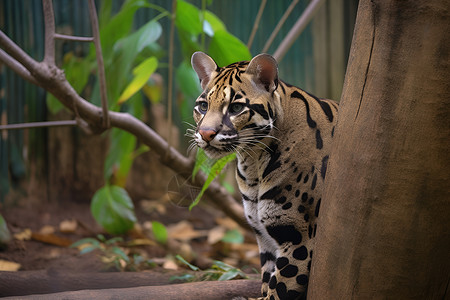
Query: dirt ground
x=193, y=234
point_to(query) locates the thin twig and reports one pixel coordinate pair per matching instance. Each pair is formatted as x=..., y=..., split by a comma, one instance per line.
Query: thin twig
x=17, y=67
x=49, y=22
x=279, y=25
x=73, y=38
x=297, y=29
x=256, y=24
x=100, y=65
x=170, y=76
x=38, y=124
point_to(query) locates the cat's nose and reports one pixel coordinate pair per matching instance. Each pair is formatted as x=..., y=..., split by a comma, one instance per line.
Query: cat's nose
x=207, y=134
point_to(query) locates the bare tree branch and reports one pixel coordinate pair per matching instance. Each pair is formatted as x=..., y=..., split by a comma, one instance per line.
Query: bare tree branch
x=256, y=24
x=73, y=38
x=38, y=124
x=100, y=65
x=17, y=67
x=49, y=23
x=297, y=29
x=279, y=25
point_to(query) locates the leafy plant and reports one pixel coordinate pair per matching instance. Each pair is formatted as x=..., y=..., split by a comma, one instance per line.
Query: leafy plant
x=219, y=271
x=130, y=59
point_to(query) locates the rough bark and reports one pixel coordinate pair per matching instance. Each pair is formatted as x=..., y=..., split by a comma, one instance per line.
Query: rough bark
x=384, y=221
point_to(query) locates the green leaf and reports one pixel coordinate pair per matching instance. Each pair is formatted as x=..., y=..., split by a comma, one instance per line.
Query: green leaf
x=193, y=268
x=160, y=232
x=119, y=252
x=225, y=48
x=88, y=249
x=120, y=156
x=215, y=170
x=187, y=18
x=212, y=24
x=187, y=81
x=232, y=274
x=113, y=209
x=91, y=241
x=184, y=278
x=201, y=163
x=142, y=74
x=5, y=236
x=233, y=236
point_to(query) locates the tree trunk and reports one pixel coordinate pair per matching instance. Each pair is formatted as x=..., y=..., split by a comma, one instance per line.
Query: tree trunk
x=384, y=223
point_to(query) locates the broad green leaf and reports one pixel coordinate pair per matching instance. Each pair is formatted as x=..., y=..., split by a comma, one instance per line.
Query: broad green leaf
x=225, y=48
x=142, y=74
x=218, y=166
x=232, y=274
x=113, y=209
x=187, y=81
x=120, y=253
x=5, y=236
x=114, y=240
x=91, y=241
x=233, y=236
x=212, y=24
x=180, y=258
x=187, y=18
x=160, y=232
x=120, y=156
x=201, y=163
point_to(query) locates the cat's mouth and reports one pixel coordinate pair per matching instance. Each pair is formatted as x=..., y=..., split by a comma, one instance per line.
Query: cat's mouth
x=215, y=152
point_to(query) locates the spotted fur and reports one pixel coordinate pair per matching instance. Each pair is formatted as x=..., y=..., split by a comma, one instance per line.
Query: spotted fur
x=282, y=138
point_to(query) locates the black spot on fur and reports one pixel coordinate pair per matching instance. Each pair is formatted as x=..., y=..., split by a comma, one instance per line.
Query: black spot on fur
x=332, y=132
x=302, y=279
x=314, y=182
x=271, y=115
x=287, y=206
x=316, y=213
x=315, y=229
x=271, y=194
x=306, y=178
x=266, y=277
x=306, y=217
x=310, y=230
x=304, y=197
x=319, y=142
x=285, y=233
x=323, y=170
x=281, y=200
x=300, y=253
x=309, y=120
x=272, y=282
x=297, y=193
x=240, y=174
x=311, y=200
x=288, y=188
x=266, y=256
x=299, y=177
x=289, y=271
x=281, y=290
x=274, y=163
x=282, y=262
x=301, y=209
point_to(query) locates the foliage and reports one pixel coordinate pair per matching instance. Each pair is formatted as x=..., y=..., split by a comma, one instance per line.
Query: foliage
x=219, y=271
x=130, y=59
x=113, y=254
x=5, y=236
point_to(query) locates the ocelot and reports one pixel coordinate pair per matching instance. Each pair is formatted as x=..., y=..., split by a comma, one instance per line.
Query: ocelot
x=281, y=135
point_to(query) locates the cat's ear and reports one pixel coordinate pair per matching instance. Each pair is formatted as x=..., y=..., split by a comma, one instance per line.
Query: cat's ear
x=264, y=69
x=204, y=66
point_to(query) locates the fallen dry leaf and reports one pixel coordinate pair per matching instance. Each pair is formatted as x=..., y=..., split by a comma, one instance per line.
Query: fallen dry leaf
x=51, y=239
x=216, y=234
x=6, y=265
x=170, y=265
x=184, y=231
x=228, y=223
x=47, y=229
x=68, y=226
x=25, y=235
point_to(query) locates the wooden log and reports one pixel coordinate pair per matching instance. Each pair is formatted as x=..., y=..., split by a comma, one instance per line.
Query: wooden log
x=205, y=290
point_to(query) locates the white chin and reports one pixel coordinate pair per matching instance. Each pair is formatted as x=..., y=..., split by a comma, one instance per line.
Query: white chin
x=215, y=153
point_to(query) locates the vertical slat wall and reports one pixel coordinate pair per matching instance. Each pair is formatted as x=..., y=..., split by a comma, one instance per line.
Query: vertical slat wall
x=316, y=61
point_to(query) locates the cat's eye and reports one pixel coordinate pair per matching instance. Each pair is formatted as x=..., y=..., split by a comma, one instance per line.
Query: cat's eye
x=236, y=108
x=203, y=107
